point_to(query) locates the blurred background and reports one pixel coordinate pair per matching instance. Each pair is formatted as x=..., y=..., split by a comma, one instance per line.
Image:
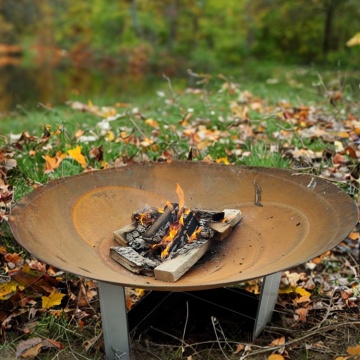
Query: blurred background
x=56, y=50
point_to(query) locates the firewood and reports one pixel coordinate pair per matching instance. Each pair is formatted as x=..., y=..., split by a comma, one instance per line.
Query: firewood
x=128, y=233
x=223, y=229
x=171, y=270
x=120, y=234
x=156, y=231
x=190, y=225
x=131, y=260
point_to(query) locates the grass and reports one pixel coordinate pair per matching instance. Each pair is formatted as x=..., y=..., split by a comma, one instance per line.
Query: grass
x=234, y=119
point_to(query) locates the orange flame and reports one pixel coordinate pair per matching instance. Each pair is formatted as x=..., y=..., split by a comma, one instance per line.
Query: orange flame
x=194, y=234
x=169, y=238
x=180, y=194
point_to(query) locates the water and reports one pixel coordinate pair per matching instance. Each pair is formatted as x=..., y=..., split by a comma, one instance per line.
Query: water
x=28, y=86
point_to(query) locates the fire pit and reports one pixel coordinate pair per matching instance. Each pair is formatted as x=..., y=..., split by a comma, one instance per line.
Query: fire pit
x=288, y=218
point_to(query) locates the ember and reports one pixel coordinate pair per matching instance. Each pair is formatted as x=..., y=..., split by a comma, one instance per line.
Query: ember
x=167, y=242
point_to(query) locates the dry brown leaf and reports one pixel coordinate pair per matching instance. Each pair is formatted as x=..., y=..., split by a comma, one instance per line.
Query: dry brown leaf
x=302, y=312
x=239, y=348
x=26, y=345
x=279, y=341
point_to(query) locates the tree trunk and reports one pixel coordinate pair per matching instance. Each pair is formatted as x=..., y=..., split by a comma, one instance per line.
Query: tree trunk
x=173, y=17
x=134, y=18
x=330, y=9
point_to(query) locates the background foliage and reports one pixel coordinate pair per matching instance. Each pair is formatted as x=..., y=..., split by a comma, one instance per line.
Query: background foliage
x=147, y=36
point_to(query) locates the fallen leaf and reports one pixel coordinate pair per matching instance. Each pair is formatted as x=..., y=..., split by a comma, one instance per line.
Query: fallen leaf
x=29, y=348
x=223, y=160
x=52, y=300
x=279, y=341
x=14, y=258
x=152, y=123
x=303, y=294
x=77, y=155
x=302, y=312
x=354, y=235
x=8, y=289
x=276, y=357
x=239, y=348
x=52, y=163
x=353, y=350
x=109, y=136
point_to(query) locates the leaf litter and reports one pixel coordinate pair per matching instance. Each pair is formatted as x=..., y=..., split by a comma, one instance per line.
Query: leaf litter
x=318, y=301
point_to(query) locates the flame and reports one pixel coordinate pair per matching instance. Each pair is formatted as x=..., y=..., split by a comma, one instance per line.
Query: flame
x=194, y=234
x=169, y=205
x=141, y=218
x=180, y=194
x=169, y=238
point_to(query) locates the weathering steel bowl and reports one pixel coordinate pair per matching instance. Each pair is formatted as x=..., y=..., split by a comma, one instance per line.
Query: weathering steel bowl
x=69, y=222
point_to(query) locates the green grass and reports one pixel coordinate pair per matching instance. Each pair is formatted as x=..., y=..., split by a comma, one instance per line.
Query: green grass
x=273, y=86
x=212, y=113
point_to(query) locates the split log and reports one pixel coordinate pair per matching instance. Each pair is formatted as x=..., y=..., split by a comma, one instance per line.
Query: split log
x=128, y=233
x=171, y=270
x=131, y=260
x=158, y=229
x=223, y=229
x=190, y=225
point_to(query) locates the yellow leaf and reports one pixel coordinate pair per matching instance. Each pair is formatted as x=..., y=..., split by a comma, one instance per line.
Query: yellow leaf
x=151, y=122
x=77, y=155
x=141, y=292
x=353, y=350
x=298, y=290
x=146, y=142
x=109, y=136
x=223, y=160
x=8, y=289
x=52, y=300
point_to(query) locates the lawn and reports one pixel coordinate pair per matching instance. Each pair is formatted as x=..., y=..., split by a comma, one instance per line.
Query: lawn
x=298, y=118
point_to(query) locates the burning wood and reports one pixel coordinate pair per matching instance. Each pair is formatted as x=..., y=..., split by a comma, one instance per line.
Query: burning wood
x=167, y=242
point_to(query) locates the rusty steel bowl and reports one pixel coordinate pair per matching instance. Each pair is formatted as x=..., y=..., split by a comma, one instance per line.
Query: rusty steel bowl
x=69, y=222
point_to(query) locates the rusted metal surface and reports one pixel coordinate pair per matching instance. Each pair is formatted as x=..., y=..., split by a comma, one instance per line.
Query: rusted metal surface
x=69, y=223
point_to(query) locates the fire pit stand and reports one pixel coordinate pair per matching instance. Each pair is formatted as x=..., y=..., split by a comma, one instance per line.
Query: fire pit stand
x=115, y=317
x=288, y=219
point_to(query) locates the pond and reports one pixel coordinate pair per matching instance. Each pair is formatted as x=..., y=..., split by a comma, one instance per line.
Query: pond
x=28, y=86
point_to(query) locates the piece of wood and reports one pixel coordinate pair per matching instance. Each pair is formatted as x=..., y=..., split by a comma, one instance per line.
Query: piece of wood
x=191, y=223
x=223, y=229
x=128, y=233
x=171, y=270
x=131, y=260
x=162, y=223
x=120, y=234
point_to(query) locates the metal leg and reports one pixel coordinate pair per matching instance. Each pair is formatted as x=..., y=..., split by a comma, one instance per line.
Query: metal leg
x=267, y=302
x=114, y=321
